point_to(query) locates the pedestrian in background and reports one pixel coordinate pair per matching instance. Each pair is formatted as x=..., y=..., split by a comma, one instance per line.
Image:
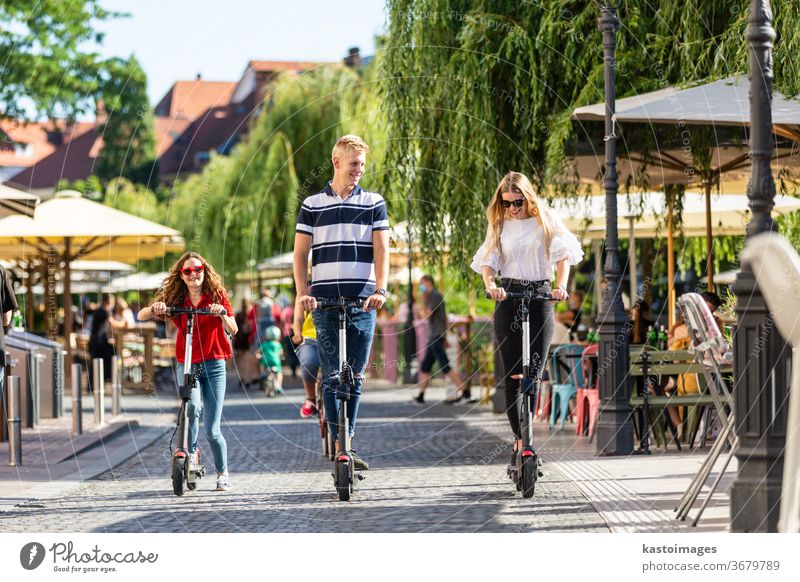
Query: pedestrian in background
x=434, y=310
x=8, y=303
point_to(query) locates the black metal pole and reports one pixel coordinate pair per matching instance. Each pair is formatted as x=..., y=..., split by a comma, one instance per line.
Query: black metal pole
x=409, y=333
x=762, y=361
x=614, y=430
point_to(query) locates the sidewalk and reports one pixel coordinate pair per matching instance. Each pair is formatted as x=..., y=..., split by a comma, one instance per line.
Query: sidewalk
x=54, y=461
x=636, y=493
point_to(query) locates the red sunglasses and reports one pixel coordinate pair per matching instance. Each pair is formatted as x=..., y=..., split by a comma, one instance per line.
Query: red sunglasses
x=189, y=270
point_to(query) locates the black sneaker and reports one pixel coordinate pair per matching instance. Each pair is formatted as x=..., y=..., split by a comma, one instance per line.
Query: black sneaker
x=463, y=399
x=418, y=399
x=358, y=462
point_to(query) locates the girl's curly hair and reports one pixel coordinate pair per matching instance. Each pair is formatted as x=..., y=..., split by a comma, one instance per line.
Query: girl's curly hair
x=173, y=290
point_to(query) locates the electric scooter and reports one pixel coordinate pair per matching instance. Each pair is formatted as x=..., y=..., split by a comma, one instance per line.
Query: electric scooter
x=527, y=467
x=184, y=476
x=344, y=473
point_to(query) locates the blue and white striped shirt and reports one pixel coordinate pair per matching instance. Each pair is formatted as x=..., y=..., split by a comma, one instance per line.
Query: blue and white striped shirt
x=342, y=263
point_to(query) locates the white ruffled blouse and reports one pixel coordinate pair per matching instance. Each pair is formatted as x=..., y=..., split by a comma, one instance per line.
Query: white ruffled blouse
x=524, y=256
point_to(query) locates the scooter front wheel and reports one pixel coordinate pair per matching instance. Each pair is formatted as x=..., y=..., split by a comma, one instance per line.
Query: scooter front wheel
x=528, y=475
x=179, y=475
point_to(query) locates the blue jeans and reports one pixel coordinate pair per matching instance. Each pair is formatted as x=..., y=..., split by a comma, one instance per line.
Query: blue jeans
x=211, y=384
x=309, y=359
x=360, y=329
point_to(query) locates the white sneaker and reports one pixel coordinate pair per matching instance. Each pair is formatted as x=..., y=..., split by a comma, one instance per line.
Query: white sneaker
x=223, y=483
x=194, y=461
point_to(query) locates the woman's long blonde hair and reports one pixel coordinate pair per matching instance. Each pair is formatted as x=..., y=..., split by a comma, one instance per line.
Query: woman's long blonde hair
x=173, y=290
x=516, y=183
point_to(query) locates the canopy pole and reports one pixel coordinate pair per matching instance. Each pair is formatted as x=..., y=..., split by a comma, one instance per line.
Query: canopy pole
x=30, y=269
x=67, y=303
x=597, y=251
x=709, y=241
x=634, y=275
x=670, y=262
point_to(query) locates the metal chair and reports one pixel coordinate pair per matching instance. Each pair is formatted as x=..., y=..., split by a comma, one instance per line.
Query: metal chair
x=710, y=351
x=564, y=382
x=587, y=407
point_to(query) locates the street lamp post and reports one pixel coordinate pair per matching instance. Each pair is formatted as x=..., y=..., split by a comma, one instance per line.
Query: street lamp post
x=410, y=332
x=762, y=363
x=614, y=431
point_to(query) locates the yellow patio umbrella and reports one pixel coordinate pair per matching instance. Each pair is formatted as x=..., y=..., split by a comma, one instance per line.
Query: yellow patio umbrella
x=70, y=227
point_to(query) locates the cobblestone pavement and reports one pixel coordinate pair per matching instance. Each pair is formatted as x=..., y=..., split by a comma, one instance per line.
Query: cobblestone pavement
x=438, y=468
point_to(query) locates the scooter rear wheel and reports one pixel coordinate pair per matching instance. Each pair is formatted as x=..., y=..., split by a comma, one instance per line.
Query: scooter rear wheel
x=178, y=475
x=343, y=480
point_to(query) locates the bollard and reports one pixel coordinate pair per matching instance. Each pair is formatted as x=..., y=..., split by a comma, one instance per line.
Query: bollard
x=99, y=385
x=116, y=385
x=77, y=405
x=13, y=413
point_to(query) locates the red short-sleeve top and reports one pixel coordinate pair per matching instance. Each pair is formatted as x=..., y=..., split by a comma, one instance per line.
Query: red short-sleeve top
x=209, y=341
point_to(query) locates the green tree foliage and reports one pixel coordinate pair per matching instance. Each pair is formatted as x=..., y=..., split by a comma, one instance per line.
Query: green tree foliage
x=243, y=207
x=44, y=63
x=475, y=88
x=127, y=130
x=133, y=198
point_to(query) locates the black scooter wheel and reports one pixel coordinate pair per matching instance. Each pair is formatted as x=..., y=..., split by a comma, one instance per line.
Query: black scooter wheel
x=178, y=475
x=527, y=478
x=343, y=479
x=191, y=485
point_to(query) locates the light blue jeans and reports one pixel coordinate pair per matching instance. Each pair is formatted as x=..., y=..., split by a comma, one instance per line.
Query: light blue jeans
x=211, y=386
x=360, y=328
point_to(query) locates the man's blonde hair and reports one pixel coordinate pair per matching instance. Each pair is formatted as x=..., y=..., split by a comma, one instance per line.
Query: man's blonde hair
x=349, y=142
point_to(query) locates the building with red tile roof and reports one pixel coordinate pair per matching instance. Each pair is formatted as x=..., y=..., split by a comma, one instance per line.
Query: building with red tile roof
x=59, y=151
x=192, y=120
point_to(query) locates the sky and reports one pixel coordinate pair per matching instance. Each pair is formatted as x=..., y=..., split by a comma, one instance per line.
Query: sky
x=178, y=39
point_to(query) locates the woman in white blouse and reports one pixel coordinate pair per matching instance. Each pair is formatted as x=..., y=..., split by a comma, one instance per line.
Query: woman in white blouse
x=523, y=242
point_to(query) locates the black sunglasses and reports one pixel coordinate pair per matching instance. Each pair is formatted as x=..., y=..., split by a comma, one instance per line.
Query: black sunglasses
x=518, y=202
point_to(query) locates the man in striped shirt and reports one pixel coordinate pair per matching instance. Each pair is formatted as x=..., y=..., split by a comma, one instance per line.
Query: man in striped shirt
x=346, y=229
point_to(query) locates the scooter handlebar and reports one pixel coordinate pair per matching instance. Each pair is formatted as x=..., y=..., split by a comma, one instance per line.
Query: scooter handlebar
x=340, y=302
x=526, y=295
x=191, y=310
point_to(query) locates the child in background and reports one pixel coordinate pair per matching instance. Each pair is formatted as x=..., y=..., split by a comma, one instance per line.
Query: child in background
x=271, y=353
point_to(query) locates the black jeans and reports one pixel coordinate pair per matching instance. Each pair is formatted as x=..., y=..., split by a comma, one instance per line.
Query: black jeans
x=435, y=352
x=508, y=333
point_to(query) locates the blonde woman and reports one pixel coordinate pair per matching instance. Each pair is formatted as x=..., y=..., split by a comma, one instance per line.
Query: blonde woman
x=524, y=240
x=193, y=282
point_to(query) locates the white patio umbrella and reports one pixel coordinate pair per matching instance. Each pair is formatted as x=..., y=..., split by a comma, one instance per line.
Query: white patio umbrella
x=646, y=216
x=719, y=104
x=137, y=282
x=13, y=201
x=69, y=227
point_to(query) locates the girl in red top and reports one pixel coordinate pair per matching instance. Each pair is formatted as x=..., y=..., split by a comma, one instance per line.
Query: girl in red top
x=192, y=282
